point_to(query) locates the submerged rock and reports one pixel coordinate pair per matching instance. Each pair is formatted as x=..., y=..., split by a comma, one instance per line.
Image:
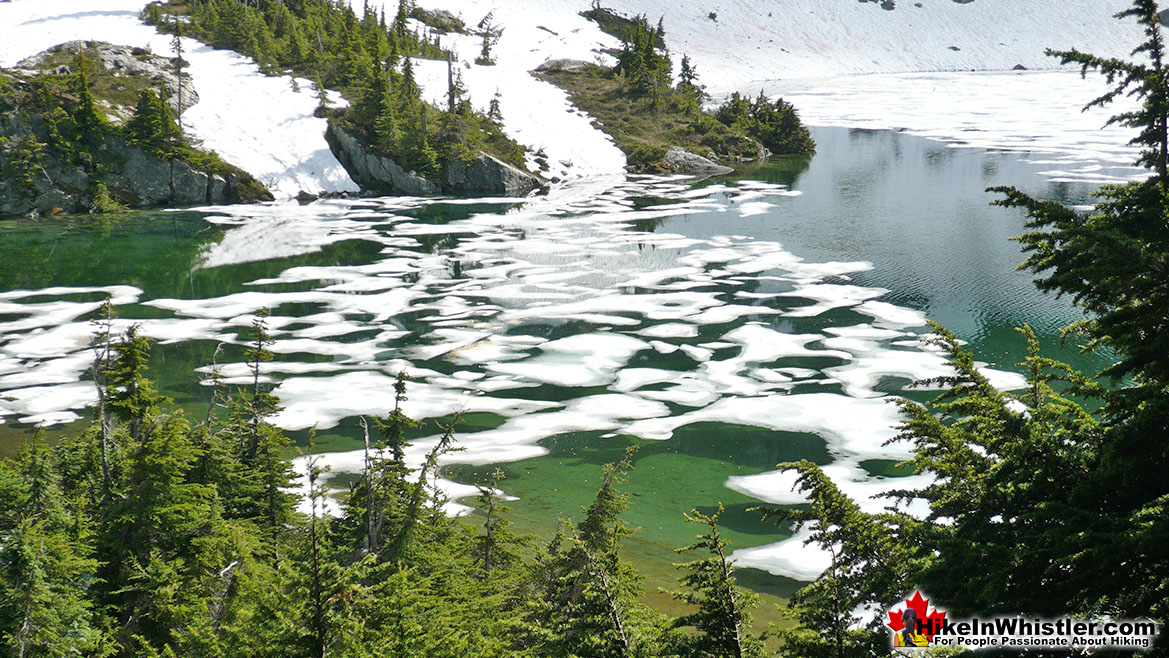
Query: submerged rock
x=681, y=161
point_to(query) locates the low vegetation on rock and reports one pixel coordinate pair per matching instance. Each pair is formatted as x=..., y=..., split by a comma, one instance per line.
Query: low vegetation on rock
x=638, y=103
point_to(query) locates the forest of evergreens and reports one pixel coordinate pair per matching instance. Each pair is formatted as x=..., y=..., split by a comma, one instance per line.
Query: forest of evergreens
x=156, y=534
x=367, y=58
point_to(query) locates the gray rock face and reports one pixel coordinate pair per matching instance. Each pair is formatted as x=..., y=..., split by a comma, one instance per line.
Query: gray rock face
x=563, y=65
x=681, y=161
x=142, y=182
x=373, y=172
x=121, y=61
x=488, y=175
x=441, y=20
x=60, y=184
x=381, y=175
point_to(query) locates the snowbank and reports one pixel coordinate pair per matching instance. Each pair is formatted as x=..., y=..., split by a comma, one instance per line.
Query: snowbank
x=753, y=41
x=843, y=63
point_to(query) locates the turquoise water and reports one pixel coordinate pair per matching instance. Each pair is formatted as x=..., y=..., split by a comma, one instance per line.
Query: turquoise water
x=723, y=326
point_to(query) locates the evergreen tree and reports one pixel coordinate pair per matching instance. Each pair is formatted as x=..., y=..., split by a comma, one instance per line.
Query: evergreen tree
x=1109, y=261
x=103, y=351
x=131, y=396
x=587, y=604
x=873, y=563
x=375, y=507
x=496, y=549
x=176, y=45
x=91, y=125
x=721, y=618
x=46, y=565
x=1148, y=82
x=490, y=35
x=152, y=126
x=645, y=68
x=494, y=112
x=261, y=403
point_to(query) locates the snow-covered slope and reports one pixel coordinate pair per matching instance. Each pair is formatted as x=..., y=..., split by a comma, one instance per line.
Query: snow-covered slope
x=253, y=121
x=755, y=40
x=942, y=69
x=536, y=114
x=806, y=50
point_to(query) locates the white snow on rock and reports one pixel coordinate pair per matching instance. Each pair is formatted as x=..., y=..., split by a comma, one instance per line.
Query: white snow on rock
x=256, y=122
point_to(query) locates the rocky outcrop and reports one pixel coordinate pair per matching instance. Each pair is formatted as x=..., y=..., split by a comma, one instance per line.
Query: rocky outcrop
x=440, y=20
x=488, y=175
x=681, y=161
x=563, y=66
x=373, y=172
x=141, y=182
x=118, y=61
x=44, y=171
x=379, y=174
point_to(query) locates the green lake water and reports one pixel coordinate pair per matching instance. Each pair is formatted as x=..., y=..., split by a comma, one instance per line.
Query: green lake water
x=654, y=312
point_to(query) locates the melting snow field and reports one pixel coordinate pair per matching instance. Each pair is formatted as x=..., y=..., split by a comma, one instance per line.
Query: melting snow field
x=844, y=64
x=574, y=256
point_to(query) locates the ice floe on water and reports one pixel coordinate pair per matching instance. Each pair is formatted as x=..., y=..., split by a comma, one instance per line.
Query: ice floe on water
x=568, y=313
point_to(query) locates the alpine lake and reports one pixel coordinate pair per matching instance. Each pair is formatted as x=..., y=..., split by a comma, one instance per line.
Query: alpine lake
x=721, y=326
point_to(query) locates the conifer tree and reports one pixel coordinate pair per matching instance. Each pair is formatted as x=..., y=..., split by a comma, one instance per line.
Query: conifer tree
x=132, y=397
x=152, y=127
x=494, y=112
x=26, y=163
x=261, y=403
x=316, y=577
x=46, y=565
x=1108, y=261
x=721, y=618
x=91, y=125
x=103, y=350
x=408, y=91
x=588, y=594
x=496, y=549
x=176, y=45
x=1149, y=82
x=490, y=35
x=375, y=507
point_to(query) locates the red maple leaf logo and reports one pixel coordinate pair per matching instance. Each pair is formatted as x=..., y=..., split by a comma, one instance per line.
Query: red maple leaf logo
x=931, y=622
